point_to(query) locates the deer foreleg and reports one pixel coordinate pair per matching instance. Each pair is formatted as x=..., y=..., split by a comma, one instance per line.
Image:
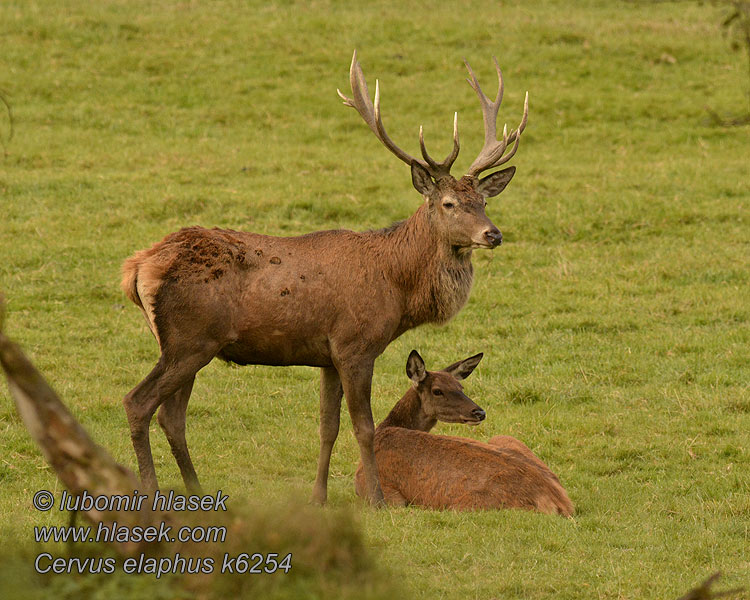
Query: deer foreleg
x=330, y=413
x=357, y=383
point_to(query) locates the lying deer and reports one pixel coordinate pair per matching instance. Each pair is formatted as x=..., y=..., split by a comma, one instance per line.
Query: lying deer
x=438, y=471
x=330, y=299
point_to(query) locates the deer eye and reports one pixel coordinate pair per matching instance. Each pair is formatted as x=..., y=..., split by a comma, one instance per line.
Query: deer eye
x=485, y=203
x=448, y=205
x=437, y=392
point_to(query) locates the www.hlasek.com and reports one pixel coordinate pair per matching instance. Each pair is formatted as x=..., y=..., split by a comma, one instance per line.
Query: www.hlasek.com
x=243, y=563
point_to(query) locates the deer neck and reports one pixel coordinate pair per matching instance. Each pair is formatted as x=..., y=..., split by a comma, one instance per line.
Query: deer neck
x=408, y=414
x=434, y=278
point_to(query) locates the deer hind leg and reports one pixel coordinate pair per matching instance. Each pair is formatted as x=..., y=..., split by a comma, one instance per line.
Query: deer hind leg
x=163, y=382
x=140, y=405
x=171, y=418
x=357, y=383
x=330, y=416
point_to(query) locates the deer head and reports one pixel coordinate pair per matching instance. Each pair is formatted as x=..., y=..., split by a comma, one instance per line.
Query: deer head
x=456, y=207
x=440, y=392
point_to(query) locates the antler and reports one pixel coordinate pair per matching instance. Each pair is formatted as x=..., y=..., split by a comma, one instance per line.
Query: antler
x=371, y=114
x=492, y=152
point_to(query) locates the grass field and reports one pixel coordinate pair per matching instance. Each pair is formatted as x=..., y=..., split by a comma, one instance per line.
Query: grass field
x=614, y=320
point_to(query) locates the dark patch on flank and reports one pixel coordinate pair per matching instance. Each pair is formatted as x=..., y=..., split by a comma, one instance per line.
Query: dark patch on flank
x=204, y=254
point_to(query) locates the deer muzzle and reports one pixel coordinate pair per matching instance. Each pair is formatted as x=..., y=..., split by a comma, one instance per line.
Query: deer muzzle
x=493, y=237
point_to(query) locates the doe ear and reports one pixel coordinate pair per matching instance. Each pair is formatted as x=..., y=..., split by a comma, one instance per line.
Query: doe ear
x=495, y=183
x=421, y=179
x=463, y=368
x=415, y=369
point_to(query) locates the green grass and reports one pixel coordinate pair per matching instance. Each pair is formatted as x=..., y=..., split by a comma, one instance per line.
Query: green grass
x=614, y=319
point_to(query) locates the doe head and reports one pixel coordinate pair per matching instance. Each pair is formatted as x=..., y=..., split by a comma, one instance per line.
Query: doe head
x=440, y=392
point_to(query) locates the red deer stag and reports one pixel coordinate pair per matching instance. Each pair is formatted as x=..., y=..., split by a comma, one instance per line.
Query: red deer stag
x=329, y=299
x=438, y=471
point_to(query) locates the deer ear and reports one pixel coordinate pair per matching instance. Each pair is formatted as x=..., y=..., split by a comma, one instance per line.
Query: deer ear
x=415, y=369
x=495, y=183
x=463, y=368
x=421, y=179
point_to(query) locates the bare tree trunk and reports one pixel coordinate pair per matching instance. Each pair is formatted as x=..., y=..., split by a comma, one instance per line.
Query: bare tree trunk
x=80, y=464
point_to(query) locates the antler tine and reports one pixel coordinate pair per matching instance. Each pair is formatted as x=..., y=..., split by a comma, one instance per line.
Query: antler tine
x=446, y=165
x=383, y=136
x=496, y=158
x=430, y=161
x=370, y=112
x=492, y=153
x=489, y=109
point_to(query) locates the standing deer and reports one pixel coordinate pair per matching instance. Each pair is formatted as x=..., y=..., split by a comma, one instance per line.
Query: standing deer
x=329, y=299
x=438, y=471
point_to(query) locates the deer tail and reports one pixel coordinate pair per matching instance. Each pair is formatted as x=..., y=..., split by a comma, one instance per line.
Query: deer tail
x=129, y=283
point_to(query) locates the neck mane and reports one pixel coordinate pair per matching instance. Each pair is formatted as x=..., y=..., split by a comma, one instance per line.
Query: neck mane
x=408, y=414
x=434, y=278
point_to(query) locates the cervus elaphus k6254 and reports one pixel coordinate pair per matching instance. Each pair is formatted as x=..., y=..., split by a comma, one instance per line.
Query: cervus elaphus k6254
x=330, y=299
x=438, y=471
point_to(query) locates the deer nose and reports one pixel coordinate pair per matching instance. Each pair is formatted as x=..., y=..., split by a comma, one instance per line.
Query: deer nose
x=493, y=237
x=478, y=414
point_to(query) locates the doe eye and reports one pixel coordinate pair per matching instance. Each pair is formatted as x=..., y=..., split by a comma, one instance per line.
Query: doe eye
x=448, y=205
x=485, y=203
x=437, y=392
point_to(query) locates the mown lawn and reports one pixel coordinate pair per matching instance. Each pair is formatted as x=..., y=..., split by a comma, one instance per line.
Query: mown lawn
x=614, y=320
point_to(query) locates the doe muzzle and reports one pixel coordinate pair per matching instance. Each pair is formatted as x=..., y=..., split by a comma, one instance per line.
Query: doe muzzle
x=478, y=414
